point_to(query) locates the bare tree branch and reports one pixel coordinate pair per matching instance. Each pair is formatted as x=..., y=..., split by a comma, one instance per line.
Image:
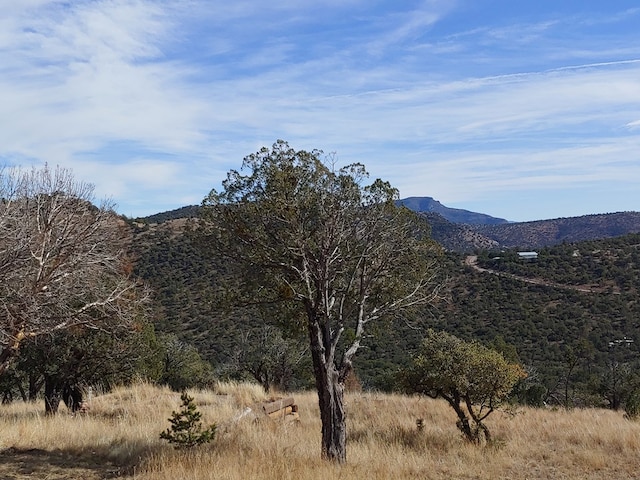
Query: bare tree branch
x=63, y=260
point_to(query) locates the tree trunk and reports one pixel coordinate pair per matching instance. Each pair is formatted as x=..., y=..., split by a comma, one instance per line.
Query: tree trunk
x=23, y=393
x=333, y=416
x=331, y=401
x=463, y=421
x=72, y=397
x=7, y=354
x=52, y=396
x=35, y=384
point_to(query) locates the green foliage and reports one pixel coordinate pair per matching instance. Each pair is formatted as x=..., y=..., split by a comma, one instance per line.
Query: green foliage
x=595, y=264
x=182, y=365
x=190, y=211
x=186, y=300
x=329, y=250
x=83, y=356
x=186, y=429
x=334, y=252
x=270, y=358
x=12, y=384
x=541, y=321
x=532, y=395
x=632, y=405
x=473, y=379
x=508, y=351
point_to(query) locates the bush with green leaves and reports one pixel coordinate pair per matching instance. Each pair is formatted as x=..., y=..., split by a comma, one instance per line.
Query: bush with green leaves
x=182, y=365
x=632, y=405
x=472, y=378
x=186, y=429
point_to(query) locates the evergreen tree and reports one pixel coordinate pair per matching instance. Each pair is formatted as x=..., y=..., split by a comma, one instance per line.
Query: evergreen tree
x=186, y=426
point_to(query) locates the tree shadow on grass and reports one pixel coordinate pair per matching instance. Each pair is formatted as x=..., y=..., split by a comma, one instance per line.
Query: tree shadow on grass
x=34, y=463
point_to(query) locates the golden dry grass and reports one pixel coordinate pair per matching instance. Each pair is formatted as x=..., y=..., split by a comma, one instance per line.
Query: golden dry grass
x=120, y=436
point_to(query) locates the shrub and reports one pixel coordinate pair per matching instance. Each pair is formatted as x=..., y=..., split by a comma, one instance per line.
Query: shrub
x=473, y=379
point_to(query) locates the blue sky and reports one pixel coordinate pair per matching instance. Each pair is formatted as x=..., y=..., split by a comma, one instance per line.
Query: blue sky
x=519, y=109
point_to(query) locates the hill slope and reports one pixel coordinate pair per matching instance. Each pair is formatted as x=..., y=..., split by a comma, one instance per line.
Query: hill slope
x=464, y=231
x=457, y=237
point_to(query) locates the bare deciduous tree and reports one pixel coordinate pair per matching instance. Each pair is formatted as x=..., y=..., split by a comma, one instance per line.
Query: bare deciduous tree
x=63, y=260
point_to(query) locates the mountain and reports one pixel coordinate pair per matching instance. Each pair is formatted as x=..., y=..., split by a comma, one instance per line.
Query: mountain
x=455, y=215
x=458, y=237
x=462, y=231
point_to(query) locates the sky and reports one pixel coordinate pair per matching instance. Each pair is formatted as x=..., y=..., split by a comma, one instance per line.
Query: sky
x=519, y=109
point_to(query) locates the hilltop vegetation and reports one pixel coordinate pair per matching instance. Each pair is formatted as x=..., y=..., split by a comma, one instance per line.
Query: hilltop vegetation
x=581, y=345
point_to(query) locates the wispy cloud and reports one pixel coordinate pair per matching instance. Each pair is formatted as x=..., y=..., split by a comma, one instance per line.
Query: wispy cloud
x=155, y=100
x=76, y=77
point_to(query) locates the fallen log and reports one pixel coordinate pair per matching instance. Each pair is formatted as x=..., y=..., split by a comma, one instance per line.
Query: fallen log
x=281, y=413
x=276, y=405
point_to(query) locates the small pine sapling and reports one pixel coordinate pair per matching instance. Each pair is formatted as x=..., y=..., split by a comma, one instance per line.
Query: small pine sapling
x=186, y=428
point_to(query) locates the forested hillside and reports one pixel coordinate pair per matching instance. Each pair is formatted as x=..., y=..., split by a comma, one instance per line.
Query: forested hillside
x=183, y=282
x=573, y=314
x=186, y=303
x=574, y=324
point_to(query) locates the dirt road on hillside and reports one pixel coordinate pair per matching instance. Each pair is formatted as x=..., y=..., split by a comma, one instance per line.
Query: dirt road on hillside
x=472, y=261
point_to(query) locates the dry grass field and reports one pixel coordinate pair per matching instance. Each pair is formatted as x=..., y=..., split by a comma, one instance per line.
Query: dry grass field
x=119, y=438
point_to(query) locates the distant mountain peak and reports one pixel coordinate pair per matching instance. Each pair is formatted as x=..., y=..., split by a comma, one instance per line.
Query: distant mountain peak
x=455, y=215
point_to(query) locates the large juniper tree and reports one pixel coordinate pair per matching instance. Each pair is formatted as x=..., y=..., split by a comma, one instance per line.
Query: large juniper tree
x=299, y=230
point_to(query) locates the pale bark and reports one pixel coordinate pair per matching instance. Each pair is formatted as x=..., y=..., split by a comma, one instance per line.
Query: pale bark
x=63, y=260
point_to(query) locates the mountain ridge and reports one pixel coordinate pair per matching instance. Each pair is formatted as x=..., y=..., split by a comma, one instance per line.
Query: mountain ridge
x=463, y=231
x=455, y=215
